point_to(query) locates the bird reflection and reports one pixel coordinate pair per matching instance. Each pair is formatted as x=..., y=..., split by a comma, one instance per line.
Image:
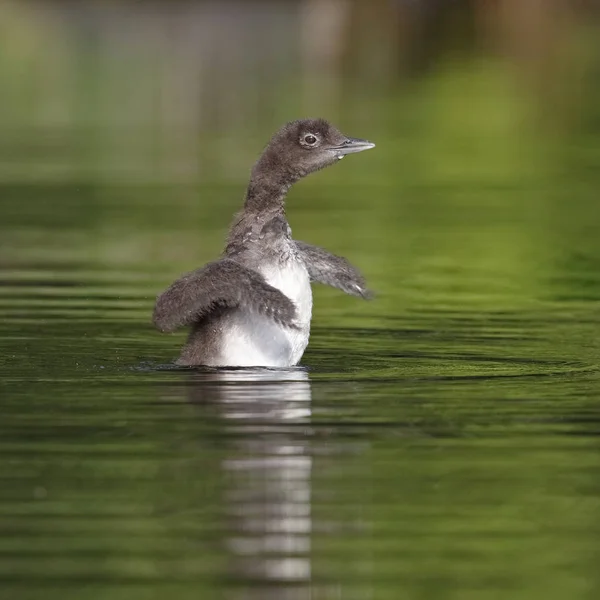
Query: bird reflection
x=268, y=470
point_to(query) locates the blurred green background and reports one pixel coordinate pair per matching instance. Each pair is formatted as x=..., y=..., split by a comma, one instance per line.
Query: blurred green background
x=500, y=90
x=439, y=442
x=496, y=101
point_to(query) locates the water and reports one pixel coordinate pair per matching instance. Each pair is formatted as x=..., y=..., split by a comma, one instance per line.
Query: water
x=438, y=442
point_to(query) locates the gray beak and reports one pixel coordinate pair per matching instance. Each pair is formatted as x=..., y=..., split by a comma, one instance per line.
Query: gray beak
x=352, y=145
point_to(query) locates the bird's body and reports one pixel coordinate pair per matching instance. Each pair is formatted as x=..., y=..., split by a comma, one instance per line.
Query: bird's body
x=253, y=307
x=247, y=337
x=250, y=339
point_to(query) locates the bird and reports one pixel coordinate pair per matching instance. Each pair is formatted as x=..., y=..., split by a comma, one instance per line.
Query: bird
x=252, y=307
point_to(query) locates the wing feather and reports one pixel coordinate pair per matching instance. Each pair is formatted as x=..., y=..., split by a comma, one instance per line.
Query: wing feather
x=336, y=271
x=224, y=283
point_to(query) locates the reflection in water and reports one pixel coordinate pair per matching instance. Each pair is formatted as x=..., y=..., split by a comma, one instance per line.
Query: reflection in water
x=269, y=475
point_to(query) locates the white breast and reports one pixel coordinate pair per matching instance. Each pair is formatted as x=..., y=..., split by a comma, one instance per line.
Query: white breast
x=253, y=340
x=294, y=282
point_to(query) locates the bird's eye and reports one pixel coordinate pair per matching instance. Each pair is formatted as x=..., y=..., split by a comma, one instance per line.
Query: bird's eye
x=310, y=139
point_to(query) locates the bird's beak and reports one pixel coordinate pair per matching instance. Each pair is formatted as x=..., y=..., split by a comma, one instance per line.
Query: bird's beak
x=352, y=145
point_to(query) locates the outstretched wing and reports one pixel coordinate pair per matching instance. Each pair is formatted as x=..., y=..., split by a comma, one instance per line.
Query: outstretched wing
x=333, y=270
x=224, y=283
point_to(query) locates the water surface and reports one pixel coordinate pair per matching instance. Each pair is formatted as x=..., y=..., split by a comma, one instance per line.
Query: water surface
x=438, y=442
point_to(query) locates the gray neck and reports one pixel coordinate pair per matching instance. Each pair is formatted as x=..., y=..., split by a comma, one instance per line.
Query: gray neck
x=269, y=184
x=262, y=196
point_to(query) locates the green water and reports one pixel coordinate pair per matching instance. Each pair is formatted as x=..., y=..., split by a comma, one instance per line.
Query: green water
x=438, y=442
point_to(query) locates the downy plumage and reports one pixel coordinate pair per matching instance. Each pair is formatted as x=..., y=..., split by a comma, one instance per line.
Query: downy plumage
x=252, y=307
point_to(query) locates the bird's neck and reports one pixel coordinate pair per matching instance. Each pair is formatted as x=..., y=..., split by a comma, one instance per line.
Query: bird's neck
x=265, y=196
x=269, y=184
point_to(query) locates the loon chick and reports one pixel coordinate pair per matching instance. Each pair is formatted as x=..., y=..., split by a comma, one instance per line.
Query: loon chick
x=252, y=307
